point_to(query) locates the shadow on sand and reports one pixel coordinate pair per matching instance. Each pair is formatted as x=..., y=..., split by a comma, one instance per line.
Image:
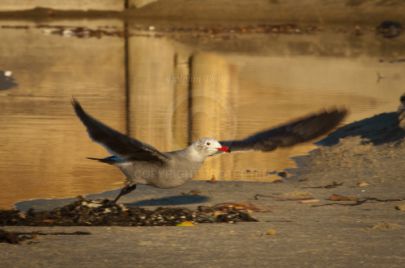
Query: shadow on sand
x=171, y=201
x=49, y=204
x=379, y=129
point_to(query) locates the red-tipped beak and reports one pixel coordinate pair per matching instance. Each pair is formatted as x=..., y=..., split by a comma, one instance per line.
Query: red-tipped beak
x=224, y=149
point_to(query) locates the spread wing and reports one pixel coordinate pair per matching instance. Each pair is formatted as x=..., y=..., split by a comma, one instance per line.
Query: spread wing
x=116, y=142
x=297, y=131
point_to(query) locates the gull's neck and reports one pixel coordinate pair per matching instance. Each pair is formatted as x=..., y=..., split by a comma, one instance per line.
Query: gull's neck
x=193, y=155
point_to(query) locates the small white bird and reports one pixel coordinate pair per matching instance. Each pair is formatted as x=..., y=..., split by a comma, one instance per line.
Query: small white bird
x=143, y=164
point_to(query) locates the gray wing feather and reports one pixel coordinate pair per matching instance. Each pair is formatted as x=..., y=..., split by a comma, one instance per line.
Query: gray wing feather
x=116, y=142
x=297, y=131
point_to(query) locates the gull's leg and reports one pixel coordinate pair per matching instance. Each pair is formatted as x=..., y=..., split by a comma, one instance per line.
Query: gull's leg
x=126, y=190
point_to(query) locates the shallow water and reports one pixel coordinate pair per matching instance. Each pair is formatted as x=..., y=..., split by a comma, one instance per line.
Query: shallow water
x=237, y=84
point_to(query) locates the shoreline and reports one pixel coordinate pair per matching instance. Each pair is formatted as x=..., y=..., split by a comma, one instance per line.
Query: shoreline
x=316, y=12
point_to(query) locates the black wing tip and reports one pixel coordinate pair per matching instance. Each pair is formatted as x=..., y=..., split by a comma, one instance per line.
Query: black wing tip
x=343, y=111
x=76, y=104
x=327, y=121
x=108, y=160
x=79, y=109
x=337, y=114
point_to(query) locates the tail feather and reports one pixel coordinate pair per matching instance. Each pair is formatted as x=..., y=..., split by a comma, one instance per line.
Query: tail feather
x=108, y=160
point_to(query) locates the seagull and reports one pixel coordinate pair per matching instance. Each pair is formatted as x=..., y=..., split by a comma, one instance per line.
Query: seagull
x=141, y=163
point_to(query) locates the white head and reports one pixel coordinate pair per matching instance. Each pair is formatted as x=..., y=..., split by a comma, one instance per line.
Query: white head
x=208, y=146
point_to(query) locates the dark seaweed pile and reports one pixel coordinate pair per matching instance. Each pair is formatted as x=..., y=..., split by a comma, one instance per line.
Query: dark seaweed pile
x=13, y=237
x=106, y=213
x=18, y=237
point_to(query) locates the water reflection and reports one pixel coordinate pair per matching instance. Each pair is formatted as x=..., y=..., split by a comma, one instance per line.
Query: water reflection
x=178, y=89
x=42, y=145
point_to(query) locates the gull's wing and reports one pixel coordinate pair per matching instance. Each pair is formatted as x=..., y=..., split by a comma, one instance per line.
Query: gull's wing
x=297, y=131
x=116, y=142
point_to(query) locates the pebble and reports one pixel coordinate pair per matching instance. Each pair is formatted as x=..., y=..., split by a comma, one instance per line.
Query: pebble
x=400, y=207
x=271, y=232
x=362, y=184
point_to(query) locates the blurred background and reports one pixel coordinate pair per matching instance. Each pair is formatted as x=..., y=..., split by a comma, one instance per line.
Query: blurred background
x=169, y=72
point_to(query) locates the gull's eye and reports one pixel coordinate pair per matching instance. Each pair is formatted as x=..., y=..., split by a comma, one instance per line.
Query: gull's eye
x=208, y=143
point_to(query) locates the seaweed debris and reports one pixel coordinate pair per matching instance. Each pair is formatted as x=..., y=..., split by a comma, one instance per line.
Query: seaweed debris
x=84, y=212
